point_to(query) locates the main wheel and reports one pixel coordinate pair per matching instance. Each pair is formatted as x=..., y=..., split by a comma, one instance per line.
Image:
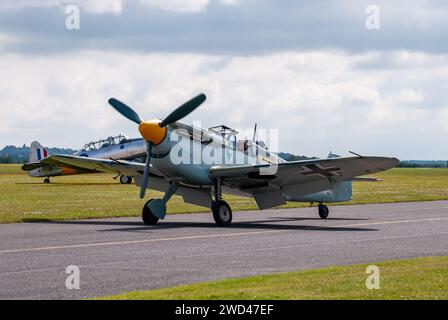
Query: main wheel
x=323, y=211
x=222, y=213
x=147, y=216
x=125, y=180
x=47, y=181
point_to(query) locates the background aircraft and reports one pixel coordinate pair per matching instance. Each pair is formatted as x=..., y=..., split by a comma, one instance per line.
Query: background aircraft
x=116, y=148
x=317, y=180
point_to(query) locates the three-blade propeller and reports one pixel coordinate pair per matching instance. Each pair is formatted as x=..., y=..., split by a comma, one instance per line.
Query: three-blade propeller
x=154, y=131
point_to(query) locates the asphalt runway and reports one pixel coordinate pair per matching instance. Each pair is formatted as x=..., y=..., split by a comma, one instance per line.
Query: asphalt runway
x=119, y=255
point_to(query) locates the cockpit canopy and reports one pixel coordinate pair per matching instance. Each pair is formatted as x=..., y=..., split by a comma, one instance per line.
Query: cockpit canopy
x=223, y=130
x=104, y=143
x=247, y=146
x=227, y=134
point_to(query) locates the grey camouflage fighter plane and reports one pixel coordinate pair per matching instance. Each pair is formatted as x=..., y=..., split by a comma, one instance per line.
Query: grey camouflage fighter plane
x=175, y=164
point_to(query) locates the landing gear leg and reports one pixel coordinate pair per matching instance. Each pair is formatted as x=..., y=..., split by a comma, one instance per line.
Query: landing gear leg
x=47, y=180
x=155, y=209
x=323, y=211
x=222, y=213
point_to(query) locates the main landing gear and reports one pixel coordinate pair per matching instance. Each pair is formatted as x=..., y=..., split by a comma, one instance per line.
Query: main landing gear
x=47, y=180
x=125, y=180
x=323, y=211
x=222, y=213
x=155, y=209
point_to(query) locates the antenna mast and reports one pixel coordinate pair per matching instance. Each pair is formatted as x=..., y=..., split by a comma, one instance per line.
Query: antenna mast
x=255, y=132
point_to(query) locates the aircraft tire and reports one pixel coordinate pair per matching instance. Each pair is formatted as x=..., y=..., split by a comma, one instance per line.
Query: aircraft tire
x=222, y=213
x=323, y=211
x=147, y=216
x=47, y=181
x=125, y=180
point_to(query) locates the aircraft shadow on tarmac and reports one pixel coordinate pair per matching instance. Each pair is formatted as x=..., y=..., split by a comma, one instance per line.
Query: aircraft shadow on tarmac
x=272, y=224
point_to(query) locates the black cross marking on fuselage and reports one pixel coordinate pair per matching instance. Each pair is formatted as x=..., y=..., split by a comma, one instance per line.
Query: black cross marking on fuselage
x=316, y=169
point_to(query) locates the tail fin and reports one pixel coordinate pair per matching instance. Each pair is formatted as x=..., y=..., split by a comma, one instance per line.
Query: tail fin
x=37, y=152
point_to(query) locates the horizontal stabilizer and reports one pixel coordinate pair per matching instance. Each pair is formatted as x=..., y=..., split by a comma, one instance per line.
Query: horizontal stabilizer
x=33, y=166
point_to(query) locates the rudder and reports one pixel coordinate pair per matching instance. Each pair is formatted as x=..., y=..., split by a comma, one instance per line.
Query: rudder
x=37, y=152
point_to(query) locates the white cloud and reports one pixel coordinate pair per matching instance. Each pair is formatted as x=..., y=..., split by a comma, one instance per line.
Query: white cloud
x=231, y=2
x=177, y=5
x=17, y=5
x=407, y=95
x=182, y=6
x=230, y=26
x=101, y=6
x=92, y=6
x=320, y=101
x=115, y=6
x=8, y=39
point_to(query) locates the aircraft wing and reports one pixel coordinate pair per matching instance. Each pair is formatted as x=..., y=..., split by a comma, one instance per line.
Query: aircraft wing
x=50, y=161
x=92, y=164
x=198, y=196
x=305, y=170
x=297, y=178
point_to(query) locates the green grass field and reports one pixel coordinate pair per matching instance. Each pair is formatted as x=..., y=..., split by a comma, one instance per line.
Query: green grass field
x=25, y=199
x=421, y=278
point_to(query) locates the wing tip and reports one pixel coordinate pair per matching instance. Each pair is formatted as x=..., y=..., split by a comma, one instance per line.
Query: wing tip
x=395, y=161
x=388, y=162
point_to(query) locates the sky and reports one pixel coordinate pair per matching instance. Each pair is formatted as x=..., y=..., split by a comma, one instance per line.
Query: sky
x=311, y=69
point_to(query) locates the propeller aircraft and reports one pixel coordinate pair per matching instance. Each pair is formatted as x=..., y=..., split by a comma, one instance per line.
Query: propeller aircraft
x=119, y=147
x=270, y=180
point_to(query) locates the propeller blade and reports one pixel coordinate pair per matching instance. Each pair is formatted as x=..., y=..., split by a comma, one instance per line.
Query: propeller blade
x=125, y=110
x=183, y=110
x=146, y=171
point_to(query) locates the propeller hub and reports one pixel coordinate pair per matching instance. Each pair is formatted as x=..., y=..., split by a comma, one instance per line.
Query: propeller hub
x=152, y=132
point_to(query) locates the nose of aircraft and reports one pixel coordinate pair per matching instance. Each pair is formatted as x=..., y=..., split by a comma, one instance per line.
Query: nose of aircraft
x=152, y=131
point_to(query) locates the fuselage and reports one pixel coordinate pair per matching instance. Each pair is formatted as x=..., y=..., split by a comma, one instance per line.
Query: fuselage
x=186, y=154
x=124, y=150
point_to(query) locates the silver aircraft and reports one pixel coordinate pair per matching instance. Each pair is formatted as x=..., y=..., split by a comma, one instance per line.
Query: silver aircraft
x=200, y=165
x=118, y=148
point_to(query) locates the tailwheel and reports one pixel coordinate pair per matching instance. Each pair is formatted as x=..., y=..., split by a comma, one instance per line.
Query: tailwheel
x=147, y=215
x=125, y=180
x=222, y=213
x=323, y=211
x=47, y=181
